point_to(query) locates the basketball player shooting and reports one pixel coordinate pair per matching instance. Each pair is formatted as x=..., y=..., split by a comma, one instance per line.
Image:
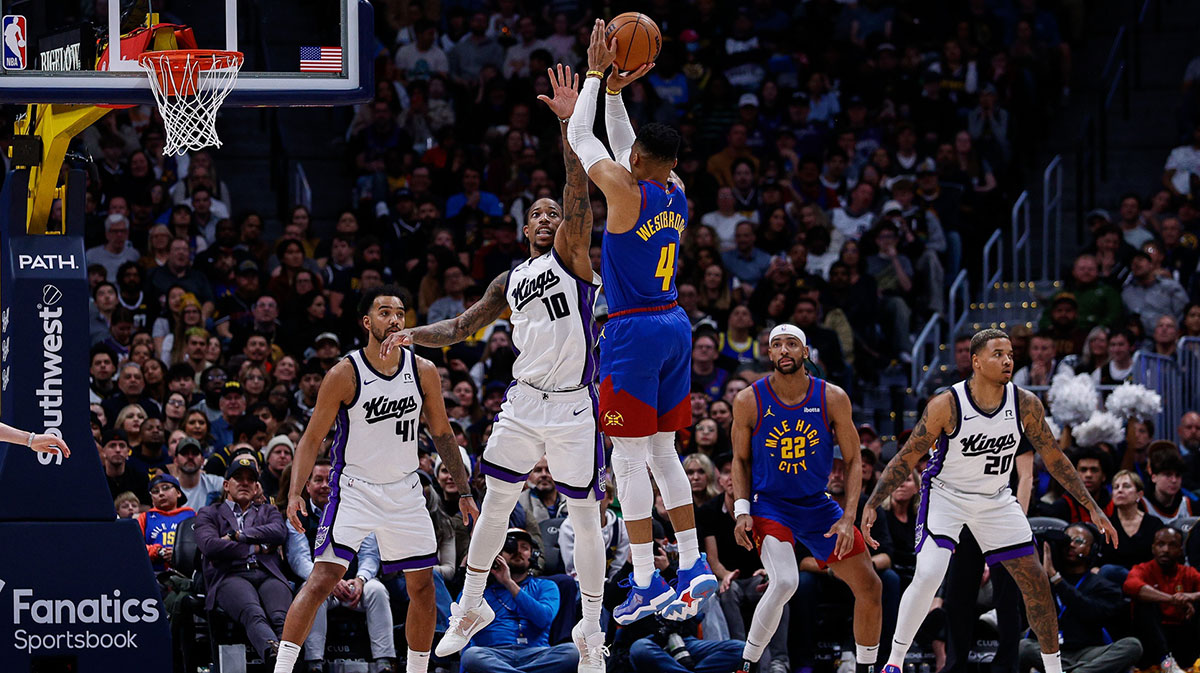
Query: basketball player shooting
x=645, y=347
x=784, y=430
x=377, y=403
x=974, y=429
x=551, y=409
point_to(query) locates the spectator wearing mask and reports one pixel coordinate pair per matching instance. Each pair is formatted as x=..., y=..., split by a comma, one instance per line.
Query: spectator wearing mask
x=1167, y=500
x=238, y=539
x=114, y=453
x=518, y=638
x=540, y=501
x=158, y=523
x=360, y=590
x=1088, y=604
x=1150, y=295
x=199, y=487
x=1164, y=593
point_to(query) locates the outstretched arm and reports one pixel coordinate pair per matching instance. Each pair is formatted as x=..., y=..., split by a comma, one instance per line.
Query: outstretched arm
x=616, y=119
x=1033, y=422
x=574, y=236
x=447, y=332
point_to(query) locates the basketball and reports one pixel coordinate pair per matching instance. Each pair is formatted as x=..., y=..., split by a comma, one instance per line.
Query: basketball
x=638, y=40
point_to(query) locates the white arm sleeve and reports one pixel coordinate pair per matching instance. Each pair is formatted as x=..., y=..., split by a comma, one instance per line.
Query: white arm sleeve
x=579, y=130
x=620, y=131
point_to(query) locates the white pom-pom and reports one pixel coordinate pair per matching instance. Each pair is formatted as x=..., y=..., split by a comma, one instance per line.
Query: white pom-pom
x=1073, y=399
x=1133, y=400
x=1055, y=429
x=1102, y=427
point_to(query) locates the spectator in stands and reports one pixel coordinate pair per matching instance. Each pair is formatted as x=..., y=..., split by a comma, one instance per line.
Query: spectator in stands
x=422, y=58
x=1135, y=532
x=1093, y=467
x=706, y=375
x=1151, y=296
x=360, y=590
x=114, y=453
x=856, y=217
x=1164, y=338
x=824, y=347
x=127, y=505
x=893, y=274
x=616, y=542
x=455, y=281
x=1119, y=368
x=473, y=52
x=278, y=457
x=1180, y=254
x=232, y=405
x=740, y=571
x=1094, y=355
x=472, y=198
x=1089, y=605
x=179, y=271
x=1063, y=327
x=518, y=639
x=901, y=509
x=158, y=523
x=151, y=457
x=648, y=653
x=1164, y=593
x=747, y=263
x=1189, y=435
x=1182, y=169
x=725, y=219
x=1167, y=500
x=199, y=487
x=540, y=501
x=117, y=249
x=239, y=541
x=1043, y=364
x=702, y=476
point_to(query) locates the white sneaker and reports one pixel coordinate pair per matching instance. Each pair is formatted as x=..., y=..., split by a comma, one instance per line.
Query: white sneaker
x=464, y=624
x=592, y=651
x=1169, y=665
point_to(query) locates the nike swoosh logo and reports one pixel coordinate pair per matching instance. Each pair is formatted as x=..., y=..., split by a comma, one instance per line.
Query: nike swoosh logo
x=367, y=383
x=967, y=418
x=579, y=412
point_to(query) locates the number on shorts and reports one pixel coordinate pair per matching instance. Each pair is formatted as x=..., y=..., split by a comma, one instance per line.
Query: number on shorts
x=998, y=464
x=557, y=306
x=404, y=430
x=666, y=266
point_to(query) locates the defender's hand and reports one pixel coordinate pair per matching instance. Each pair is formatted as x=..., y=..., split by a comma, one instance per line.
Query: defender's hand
x=600, y=54
x=395, y=340
x=618, y=80
x=565, y=88
x=294, y=509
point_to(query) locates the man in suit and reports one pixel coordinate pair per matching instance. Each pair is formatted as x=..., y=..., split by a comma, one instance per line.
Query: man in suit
x=238, y=538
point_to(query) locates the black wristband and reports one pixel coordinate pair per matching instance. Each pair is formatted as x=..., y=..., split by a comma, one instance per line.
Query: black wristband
x=468, y=494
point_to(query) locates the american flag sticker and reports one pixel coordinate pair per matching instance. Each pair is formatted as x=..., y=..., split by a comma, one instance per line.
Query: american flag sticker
x=320, y=59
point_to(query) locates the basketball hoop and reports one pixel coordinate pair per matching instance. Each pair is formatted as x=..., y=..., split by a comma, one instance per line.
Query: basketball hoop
x=189, y=86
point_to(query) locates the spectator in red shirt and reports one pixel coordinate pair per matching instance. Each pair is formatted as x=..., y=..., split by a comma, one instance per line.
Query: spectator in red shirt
x=1165, y=591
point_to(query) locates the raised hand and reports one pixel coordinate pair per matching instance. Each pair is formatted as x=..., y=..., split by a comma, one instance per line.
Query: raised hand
x=565, y=87
x=618, y=80
x=600, y=54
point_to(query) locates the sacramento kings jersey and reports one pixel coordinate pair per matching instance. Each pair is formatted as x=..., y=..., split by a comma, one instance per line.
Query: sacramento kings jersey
x=791, y=448
x=639, y=266
x=978, y=457
x=554, y=329
x=375, y=438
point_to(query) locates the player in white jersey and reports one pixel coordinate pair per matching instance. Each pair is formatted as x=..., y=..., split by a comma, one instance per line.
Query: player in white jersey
x=551, y=407
x=974, y=429
x=377, y=401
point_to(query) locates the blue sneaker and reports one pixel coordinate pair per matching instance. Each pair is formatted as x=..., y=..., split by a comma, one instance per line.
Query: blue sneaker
x=643, y=601
x=891, y=669
x=695, y=586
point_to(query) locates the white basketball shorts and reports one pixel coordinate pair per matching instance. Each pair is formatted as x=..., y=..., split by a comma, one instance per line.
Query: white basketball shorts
x=996, y=521
x=395, y=512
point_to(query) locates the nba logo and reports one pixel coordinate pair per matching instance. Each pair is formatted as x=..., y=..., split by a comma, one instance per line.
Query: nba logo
x=15, y=52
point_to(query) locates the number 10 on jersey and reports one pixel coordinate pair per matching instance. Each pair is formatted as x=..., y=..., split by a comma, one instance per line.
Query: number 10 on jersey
x=666, y=266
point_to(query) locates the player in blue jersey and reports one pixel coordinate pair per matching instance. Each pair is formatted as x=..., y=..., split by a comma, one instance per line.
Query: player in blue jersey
x=159, y=523
x=645, y=347
x=786, y=428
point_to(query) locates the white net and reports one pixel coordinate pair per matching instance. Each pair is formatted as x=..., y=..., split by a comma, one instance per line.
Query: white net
x=189, y=87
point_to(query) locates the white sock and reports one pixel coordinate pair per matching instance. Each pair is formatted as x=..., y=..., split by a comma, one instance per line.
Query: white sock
x=689, y=547
x=642, y=554
x=589, y=559
x=1052, y=662
x=418, y=662
x=752, y=652
x=473, y=586
x=866, y=654
x=288, y=653
x=591, y=613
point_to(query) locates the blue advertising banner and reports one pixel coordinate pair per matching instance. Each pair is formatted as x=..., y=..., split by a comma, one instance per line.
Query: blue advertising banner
x=80, y=595
x=44, y=374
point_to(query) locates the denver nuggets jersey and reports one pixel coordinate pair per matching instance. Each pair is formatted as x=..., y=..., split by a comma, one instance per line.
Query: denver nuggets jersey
x=639, y=266
x=554, y=327
x=792, y=446
x=159, y=528
x=375, y=437
x=978, y=457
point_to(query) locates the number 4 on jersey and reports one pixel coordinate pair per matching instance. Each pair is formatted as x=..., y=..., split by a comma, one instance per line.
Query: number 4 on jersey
x=666, y=266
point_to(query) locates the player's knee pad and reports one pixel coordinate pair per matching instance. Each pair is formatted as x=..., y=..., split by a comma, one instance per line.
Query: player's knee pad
x=779, y=558
x=633, y=479
x=668, y=471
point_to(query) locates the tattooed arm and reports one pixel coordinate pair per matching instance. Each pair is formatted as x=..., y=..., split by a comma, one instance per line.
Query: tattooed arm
x=573, y=239
x=938, y=418
x=1033, y=424
x=434, y=411
x=447, y=332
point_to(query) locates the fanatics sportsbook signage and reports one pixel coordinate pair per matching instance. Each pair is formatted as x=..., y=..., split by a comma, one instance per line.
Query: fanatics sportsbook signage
x=76, y=589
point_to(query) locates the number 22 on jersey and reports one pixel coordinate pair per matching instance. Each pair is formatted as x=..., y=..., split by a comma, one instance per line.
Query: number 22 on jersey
x=666, y=266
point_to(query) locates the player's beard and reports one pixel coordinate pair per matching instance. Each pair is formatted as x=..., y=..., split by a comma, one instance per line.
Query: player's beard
x=787, y=369
x=541, y=249
x=379, y=335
